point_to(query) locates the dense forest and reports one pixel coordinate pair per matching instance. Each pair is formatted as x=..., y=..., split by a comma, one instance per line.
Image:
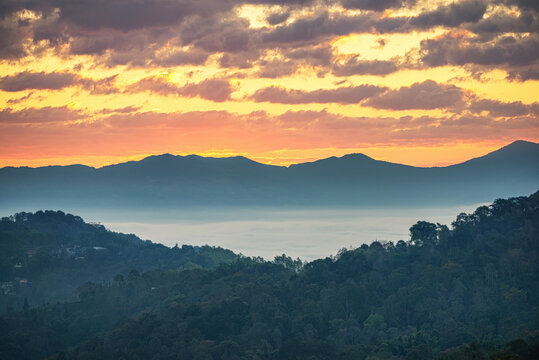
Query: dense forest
x=470, y=291
x=45, y=256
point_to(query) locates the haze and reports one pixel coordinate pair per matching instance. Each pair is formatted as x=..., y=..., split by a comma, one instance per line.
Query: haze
x=305, y=233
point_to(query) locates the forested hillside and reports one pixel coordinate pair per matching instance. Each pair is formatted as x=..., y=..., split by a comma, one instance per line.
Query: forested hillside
x=45, y=256
x=466, y=292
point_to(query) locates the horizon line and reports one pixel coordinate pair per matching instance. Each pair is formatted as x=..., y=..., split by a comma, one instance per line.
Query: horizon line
x=230, y=155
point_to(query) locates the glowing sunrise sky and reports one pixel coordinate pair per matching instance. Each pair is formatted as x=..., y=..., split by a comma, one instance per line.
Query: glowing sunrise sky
x=279, y=81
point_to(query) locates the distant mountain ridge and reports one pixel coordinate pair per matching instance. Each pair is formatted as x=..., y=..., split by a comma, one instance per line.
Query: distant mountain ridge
x=352, y=180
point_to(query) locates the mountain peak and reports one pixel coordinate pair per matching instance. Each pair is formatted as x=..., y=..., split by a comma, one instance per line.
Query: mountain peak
x=518, y=152
x=520, y=145
x=356, y=156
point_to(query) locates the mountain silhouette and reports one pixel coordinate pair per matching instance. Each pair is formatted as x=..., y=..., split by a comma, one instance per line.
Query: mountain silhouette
x=351, y=180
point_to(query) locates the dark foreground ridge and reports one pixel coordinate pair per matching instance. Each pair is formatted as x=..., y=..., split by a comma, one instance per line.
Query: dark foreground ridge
x=168, y=181
x=45, y=256
x=466, y=292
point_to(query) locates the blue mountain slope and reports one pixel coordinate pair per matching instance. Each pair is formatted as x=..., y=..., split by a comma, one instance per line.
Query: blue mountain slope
x=352, y=180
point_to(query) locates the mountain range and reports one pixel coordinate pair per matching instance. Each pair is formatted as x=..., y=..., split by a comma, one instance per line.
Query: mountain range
x=354, y=180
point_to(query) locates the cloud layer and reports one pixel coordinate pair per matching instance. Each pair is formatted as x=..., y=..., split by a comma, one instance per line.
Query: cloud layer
x=272, y=75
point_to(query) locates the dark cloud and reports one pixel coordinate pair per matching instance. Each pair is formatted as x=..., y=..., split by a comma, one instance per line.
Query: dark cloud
x=499, y=108
x=55, y=81
x=426, y=95
x=504, y=22
x=451, y=15
x=319, y=26
x=456, y=49
x=277, y=17
x=524, y=74
x=318, y=55
x=136, y=33
x=229, y=40
x=525, y=4
x=11, y=43
x=211, y=89
x=128, y=15
x=355, y=66
x=100, y=87
x=155, y=33
x=178, y=58
x=342, y=95
x=38, y=80
x=376, y=5
x=243, y=60
x=276, y=68
x=324, y=26
x=214, y=34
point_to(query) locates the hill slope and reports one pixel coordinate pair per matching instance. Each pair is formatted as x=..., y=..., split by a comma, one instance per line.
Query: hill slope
x=457, y=293
x=45, y=256
x=352, y=180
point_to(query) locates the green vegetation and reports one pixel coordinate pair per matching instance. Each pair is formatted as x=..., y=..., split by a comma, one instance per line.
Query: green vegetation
x=45, y=256
x=469, y=292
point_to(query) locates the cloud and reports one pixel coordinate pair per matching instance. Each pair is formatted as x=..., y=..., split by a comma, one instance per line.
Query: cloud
x=525, y=4
x=12, y=42
x=427, y=95
x=455, y=49
x=499, y=108
x=193, y=120
x=211, y=89
x=315, y=27
x=155, y=33
x=27, y=80
x=21, y=99
x=452, y=15
x=33, y=115
x=296, y=129
x=120, y=133
x=318, y=55
x=355, y=66
x=124, y=110
x=342, y=95
x=38, y=80
x=279, y=17
x=524, y=73
x=128, y=15
x=182, y=57
x=241, y=60
x=506, y=22
x=276, y=68
x=103, y=86
x=376, y=5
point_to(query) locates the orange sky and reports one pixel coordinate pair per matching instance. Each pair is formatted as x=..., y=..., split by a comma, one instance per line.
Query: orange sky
x=416, y=82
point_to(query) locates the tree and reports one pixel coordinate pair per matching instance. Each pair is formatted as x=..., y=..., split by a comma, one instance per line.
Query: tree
x=375, y=322
x=424, y=233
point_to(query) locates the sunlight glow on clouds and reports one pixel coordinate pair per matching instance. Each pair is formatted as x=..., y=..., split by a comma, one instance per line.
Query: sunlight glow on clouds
x=280, y=82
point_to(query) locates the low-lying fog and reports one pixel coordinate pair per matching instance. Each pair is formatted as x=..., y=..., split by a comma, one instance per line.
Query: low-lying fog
x=307, y=234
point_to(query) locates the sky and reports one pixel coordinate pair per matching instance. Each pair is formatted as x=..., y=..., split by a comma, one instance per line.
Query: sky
x=424, y=83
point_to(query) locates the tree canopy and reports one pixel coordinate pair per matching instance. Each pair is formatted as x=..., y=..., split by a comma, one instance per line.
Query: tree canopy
x=468, y=292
